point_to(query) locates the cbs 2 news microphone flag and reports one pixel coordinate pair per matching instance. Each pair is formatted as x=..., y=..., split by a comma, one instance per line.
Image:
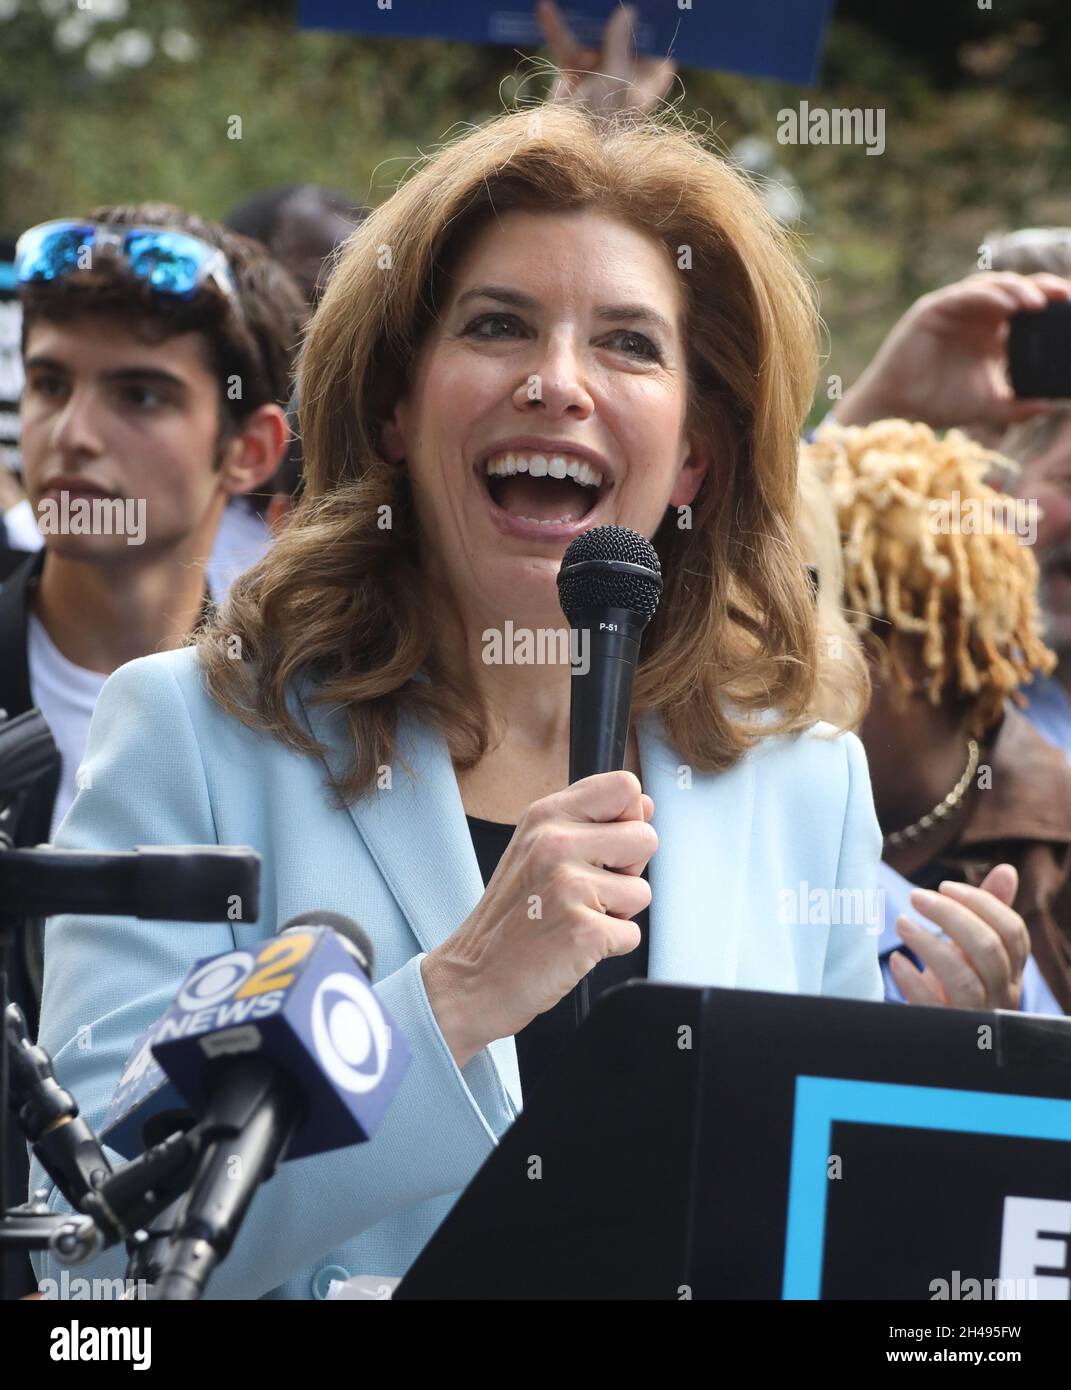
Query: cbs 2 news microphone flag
x=301, y=1001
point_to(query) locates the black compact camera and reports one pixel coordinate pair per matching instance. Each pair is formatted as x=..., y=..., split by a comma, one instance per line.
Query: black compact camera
x=1039, y=352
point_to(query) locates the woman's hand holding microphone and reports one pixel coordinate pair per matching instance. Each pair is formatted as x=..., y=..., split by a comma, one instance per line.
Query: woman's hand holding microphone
x=560, y=901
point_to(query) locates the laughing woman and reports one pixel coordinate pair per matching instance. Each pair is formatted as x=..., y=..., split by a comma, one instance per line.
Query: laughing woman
x=553, y=325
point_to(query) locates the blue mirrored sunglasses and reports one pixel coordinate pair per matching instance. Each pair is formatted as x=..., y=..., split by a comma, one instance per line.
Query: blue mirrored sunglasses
x=173, y=262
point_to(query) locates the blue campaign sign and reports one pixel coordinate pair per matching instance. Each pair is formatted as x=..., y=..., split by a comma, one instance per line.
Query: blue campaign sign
x=764, y=38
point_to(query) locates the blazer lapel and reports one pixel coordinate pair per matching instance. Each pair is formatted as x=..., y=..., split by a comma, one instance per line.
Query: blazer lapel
x=418, y=836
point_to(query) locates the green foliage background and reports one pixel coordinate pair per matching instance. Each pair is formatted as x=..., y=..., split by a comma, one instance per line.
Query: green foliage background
x=976, y=127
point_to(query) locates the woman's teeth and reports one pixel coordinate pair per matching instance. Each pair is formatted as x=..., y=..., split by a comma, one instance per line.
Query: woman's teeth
x=540, y=466
x=543, y=489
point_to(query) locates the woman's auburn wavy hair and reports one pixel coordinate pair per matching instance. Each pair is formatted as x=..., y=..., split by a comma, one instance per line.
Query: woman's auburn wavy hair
x=731, y=656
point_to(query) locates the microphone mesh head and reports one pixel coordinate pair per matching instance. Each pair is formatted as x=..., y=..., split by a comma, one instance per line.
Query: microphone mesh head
x=603, y=585
x=355, y=937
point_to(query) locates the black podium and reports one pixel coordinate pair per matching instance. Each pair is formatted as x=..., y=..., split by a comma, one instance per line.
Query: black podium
x=709, y=1143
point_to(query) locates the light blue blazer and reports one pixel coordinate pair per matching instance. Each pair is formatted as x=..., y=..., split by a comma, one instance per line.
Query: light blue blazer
x=165, y=765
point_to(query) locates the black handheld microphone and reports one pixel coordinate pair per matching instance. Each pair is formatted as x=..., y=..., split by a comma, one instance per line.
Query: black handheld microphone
x=609, y=585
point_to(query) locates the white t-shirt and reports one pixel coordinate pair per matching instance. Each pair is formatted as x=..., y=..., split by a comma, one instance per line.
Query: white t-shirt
x=22, y=532
x=65, y=694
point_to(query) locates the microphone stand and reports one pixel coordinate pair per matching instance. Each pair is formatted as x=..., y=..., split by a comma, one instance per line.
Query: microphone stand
x=246, y=1130
x=117, y=1207
x=181, y=883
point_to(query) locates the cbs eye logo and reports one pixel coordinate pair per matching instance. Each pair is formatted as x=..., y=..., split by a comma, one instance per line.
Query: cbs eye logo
x=350, y=1033
x=241, y=974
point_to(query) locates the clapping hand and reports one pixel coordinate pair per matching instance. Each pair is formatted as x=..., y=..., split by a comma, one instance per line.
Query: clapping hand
x=980, y=965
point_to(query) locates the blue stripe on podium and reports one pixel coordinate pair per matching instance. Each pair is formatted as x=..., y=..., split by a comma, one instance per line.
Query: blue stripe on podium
x=822, y=1100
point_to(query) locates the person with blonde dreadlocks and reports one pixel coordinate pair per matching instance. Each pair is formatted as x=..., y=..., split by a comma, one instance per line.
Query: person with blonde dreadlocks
x=943, y=590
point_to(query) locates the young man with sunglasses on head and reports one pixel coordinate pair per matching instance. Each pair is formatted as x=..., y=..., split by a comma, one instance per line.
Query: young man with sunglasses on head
x=157, y=351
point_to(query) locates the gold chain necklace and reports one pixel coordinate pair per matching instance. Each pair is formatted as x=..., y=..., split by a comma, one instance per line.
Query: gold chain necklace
x=944, y=807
